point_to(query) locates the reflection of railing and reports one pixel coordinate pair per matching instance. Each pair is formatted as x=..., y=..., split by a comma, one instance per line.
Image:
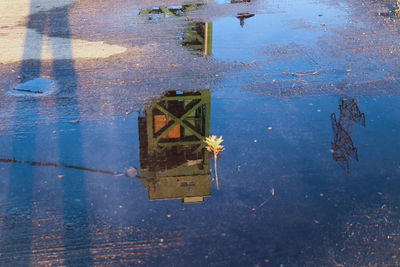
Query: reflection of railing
x=174, y=163
x=343, y=147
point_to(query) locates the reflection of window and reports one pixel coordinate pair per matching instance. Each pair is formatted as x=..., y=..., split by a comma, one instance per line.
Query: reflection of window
x=173, y=161
x=160, y=121
x=343, y=147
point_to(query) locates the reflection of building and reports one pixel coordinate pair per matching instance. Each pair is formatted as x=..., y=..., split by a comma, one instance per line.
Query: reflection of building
x=174, y=162
x=343, y=146
x=198, y=37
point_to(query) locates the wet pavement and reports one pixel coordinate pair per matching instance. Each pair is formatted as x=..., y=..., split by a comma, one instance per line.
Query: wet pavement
x=105, y=107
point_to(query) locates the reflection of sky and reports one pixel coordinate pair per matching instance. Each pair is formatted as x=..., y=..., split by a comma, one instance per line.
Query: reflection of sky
x=301, y=134
x=290, y=24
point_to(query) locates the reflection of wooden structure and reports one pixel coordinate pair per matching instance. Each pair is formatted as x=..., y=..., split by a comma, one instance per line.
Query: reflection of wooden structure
x=170, y=11
x=343, y=146
x=198, y=37
x=174, y=162
x=244, y=15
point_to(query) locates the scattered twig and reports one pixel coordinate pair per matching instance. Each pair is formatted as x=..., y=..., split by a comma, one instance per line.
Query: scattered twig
x=262, y=204
x=301, y=74
x=131, y=172
x=268, y=199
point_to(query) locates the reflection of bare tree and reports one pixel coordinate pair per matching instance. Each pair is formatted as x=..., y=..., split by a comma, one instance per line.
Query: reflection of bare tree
x=173, y=161
x=343, y=146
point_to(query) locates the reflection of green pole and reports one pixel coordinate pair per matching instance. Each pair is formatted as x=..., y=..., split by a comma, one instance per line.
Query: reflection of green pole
x=151, y=144
x=208, y=39
x=206, y=96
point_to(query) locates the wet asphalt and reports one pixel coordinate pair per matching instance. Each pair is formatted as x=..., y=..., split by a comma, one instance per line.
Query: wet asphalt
x=104, y=108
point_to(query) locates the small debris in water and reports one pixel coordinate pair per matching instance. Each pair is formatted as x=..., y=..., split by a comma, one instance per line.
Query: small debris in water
x=269, y=128
x=131, y=172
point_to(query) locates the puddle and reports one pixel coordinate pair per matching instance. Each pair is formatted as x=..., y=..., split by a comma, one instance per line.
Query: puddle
x=35, y=87
x=251, y=32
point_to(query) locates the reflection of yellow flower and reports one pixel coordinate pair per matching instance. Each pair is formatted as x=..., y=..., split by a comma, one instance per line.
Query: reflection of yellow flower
x=397, y=8
x=214, y=144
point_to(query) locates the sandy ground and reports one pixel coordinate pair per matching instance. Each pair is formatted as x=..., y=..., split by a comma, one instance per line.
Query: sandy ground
x=27, y=44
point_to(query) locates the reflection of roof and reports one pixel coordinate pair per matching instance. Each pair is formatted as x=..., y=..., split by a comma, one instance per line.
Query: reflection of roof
x=190, y=189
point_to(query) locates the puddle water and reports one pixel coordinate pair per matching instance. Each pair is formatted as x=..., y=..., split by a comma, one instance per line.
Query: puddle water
x=304, y=180
x=300, y=24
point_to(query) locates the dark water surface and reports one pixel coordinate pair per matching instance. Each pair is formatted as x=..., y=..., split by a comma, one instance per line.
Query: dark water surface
x=310, y=175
